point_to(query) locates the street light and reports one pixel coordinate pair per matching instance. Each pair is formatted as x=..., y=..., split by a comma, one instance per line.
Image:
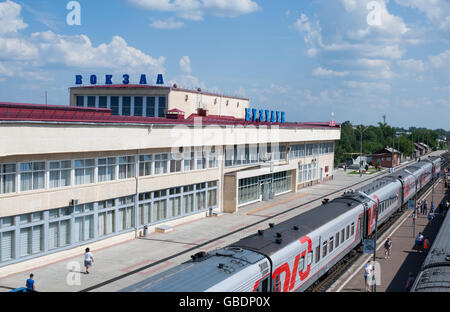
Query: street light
x=360, y=154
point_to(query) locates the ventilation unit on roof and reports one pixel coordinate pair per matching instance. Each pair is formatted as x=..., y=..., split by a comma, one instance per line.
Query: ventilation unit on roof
x=271, y=225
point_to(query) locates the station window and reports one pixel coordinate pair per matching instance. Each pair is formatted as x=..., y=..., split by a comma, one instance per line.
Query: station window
x=7, y=178
x=106, y=169
x=102, y=102
x=126, y=167
x=161, y=163
x=161, y=106
x=126, y=106
x=150, y=106
x=138, y=108
x=91, y=101
x=80, y=101
x=84, y=171
x=32, y=176
x=175, y=164
x=115, y=105
x=145, y=165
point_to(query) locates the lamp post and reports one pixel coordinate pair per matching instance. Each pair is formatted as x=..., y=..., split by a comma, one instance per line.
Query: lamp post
x=374, y=285
x=360, y=153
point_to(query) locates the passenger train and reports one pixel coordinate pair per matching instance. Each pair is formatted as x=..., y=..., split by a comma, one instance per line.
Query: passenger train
x=294, y=254
x=434, y=275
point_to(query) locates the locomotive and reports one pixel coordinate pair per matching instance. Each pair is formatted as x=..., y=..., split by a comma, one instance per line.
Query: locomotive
x=294, y=254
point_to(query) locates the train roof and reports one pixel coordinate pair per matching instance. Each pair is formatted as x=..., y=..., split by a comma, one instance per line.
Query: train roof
x=376, y=185
x=200, y=274
x=280, y=235
x=436, y=267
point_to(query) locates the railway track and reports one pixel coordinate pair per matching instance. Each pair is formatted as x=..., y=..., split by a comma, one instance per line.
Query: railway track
x=342, y=266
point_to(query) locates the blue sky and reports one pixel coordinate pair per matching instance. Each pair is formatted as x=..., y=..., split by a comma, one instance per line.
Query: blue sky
x=307, y=58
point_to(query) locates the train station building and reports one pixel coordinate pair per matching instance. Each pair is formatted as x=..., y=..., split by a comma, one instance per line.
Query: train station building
x=124, y=159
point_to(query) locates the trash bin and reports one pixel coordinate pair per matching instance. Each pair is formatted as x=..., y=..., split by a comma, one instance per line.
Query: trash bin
x=145, y=230
x=210, y=212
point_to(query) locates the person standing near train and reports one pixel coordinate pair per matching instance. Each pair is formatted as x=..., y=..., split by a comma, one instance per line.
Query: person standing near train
x=426, y=244
x=368, y=269
x=388, y=248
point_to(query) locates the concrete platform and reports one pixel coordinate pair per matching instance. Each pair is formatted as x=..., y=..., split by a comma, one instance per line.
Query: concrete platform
x=133, y=260
x=393, y=273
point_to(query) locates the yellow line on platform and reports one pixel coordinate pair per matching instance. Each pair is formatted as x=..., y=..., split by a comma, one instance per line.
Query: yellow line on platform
x=276, y=203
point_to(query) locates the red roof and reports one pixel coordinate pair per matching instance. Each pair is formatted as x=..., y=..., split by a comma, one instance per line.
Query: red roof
x=54, y=113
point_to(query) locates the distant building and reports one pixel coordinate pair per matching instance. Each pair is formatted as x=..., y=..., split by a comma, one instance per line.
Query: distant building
x=387, y=157
x=420, y=149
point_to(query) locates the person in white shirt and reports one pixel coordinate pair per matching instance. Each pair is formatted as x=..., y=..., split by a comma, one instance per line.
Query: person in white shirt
x=88, y=259
x=368, y=268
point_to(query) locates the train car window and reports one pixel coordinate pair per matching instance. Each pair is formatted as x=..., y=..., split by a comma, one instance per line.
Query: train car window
x=317, y=254
x=342, y=235
x=353, y=228
x=337, y=239
x=309, y=259
x=347, y=234
x=331, y=244
x=301, y=264
x=324, y=249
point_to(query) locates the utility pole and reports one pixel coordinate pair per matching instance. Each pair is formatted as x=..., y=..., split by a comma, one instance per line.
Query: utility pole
x=374, y=285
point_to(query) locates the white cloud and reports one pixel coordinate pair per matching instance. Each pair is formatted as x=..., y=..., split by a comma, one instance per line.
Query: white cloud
x=10, y=19
x=169, y=23
x=185, y=65
x=197, y=9
x=437, y=11
x=26, y=56
x=412, y=65
x=78, y=51
x=320, y=71
x=373, y=86
x=441, y=60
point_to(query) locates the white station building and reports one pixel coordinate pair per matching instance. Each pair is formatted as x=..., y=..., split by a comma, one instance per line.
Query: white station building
x=122, y=158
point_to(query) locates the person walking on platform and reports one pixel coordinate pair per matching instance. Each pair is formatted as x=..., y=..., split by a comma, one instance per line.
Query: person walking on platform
x=387, y=248
x=425, y=208
x=368, y=269
x=420, y=206
x=426, y=244
x=410, y=281
x=88, y=259
x=430, y=216
x=419, y=242
x=432, y=207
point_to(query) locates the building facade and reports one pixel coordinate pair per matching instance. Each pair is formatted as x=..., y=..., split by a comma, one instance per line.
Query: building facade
x=73, y=175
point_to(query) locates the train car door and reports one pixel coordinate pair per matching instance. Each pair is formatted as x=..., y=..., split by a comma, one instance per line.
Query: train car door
x=367, y=219
x=263, y=286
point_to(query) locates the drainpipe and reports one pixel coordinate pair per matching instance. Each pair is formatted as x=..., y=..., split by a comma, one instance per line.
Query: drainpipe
x=136, y=195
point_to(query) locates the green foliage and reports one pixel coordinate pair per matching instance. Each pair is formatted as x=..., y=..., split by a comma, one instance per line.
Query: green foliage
x=375, y=138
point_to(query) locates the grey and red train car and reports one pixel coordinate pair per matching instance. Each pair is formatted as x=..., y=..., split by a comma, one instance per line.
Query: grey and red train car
x=294, y=254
